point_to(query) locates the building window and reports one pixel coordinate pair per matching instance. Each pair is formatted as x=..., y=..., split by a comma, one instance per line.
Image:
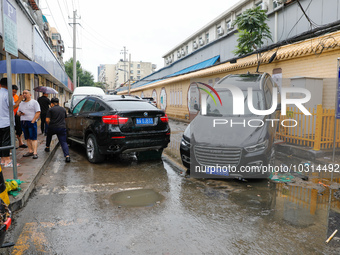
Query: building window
x=138, y=77
x=138, y=71
x=138, y=66
x=55, y=36
x=131, y=78
x=131, y=65
x=187, y=49
x=258, y=4
x=131, y=71
x=207, y=38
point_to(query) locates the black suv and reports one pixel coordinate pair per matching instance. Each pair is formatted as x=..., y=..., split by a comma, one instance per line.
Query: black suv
x=211, y=141
x=117, y=124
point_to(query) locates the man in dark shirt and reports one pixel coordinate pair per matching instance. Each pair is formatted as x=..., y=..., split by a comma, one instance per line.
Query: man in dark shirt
x=55, y=118
x=44, y=103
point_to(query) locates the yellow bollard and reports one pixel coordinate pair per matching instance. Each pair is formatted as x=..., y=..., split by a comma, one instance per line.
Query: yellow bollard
x=3, y=191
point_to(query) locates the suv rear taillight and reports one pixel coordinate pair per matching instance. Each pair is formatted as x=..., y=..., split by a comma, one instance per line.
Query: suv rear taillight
x=114, y=119
x=165, y=119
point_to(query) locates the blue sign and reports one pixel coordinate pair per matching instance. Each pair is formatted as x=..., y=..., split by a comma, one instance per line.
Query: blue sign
x=10, y=28
x=338, y=97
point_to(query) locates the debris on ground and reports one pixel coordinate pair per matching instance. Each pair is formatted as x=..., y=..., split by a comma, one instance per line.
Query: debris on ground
x=332, y=235
x=13, y=186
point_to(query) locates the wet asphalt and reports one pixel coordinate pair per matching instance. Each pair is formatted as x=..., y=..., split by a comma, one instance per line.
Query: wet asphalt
x=124, y=206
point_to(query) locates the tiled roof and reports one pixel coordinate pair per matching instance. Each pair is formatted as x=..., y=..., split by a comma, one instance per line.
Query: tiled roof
x=307, y=47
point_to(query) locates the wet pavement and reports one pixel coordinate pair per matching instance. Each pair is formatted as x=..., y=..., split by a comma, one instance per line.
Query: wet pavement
x=83, y=208
x=123, y=206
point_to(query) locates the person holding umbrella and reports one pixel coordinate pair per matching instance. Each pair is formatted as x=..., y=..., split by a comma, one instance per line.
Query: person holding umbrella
x=44, y=103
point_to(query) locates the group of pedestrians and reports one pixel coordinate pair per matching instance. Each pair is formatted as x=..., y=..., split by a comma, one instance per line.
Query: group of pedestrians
x=27, y=111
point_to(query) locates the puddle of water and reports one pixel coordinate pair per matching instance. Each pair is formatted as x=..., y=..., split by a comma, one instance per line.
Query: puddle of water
x=137, y=198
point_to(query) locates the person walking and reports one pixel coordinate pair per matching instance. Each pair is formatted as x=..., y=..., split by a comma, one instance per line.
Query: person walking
x=29, y=112
x=55, y=118
x=44, y=103
x=18, y=129
x=5, y=135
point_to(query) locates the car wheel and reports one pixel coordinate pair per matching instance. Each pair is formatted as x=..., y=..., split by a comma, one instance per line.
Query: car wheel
x=150, y=155
x=92, y=151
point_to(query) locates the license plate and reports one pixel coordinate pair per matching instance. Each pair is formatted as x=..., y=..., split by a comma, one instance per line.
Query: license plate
x=143, y=121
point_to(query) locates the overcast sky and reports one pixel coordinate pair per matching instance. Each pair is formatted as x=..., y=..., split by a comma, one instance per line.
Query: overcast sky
x=148, y=28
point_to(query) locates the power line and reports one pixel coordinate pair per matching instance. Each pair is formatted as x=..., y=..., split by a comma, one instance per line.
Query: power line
x=68, y=12
x=55, y=23
x=109, y=42
x=64, y=20
x=73, y=5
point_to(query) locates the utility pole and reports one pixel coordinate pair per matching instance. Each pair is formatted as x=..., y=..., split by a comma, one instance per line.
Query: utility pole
x=129, y=73
x=74, y=47
x=124, y=60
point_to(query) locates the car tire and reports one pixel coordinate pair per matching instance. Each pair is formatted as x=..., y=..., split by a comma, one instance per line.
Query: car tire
x=92, y=151
x=150, y=155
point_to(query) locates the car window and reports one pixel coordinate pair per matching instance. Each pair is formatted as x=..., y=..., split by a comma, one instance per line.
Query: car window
x=99, y=108
x=268, y=95
x=76, y=99
x=130, y=105
x=78, y=107
x=227, y=99
x=88, y=106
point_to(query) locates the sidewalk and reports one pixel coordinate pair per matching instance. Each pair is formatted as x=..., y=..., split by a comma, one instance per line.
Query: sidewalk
x=29, y=171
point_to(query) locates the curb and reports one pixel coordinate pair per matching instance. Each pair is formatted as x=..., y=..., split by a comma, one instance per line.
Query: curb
x=176, y=166
x=22, y=198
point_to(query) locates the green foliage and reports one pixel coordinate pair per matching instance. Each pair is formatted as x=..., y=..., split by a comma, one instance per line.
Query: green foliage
x=252, y=30
x=85, y=77
x=100, y=85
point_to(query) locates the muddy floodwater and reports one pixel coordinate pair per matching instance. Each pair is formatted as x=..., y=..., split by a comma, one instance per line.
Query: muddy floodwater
x=127, y=207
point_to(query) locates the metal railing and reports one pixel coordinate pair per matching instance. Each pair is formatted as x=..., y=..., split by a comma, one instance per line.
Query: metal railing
x=315, y=130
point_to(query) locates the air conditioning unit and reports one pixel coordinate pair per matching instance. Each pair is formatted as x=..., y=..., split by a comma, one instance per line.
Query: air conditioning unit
x=170, y=59
x=195, y=45
x=183, y=52
x=166, y=61
x=264, y=6
x=201, y=41
x=229, y=25
x=220, y=31
x=178, y=54
x=277, y=3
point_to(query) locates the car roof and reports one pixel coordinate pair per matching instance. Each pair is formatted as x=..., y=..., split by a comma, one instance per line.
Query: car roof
x=243, y=81
x=88, y=91
x=120, y=98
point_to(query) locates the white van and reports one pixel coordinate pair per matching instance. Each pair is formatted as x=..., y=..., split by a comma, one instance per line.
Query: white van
x=80, y=92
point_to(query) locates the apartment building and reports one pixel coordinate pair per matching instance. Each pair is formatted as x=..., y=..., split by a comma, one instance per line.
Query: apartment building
x=118, y=75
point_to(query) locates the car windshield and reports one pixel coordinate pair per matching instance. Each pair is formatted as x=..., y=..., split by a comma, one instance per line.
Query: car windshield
x=76, y=99
x=130, y=105
x=226, y=109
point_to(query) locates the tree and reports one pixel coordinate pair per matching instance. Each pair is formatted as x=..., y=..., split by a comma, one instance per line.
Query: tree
x=100, y=85
x=85, y=77
x=252, y=30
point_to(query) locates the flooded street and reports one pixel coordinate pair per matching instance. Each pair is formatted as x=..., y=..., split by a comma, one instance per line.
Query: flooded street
x=126, y=207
